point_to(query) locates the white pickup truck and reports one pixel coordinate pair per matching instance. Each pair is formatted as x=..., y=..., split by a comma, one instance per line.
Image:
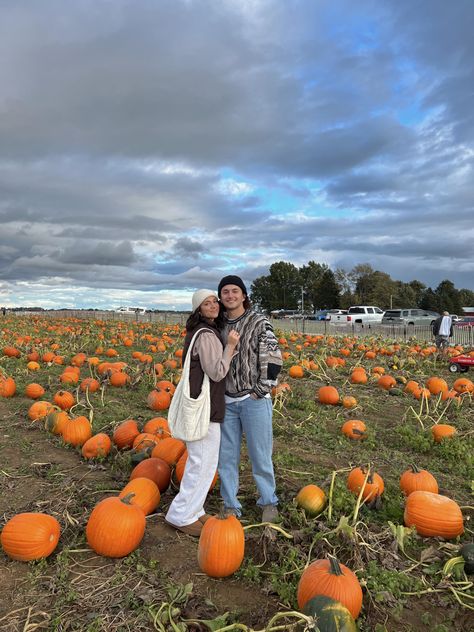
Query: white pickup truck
x=364, y=314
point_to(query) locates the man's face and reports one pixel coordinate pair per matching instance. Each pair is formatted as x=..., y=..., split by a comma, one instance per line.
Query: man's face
x=232, y=297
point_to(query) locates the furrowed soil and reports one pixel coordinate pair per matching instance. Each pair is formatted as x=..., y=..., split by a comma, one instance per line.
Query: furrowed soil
x=160, y=586
x=76, y=589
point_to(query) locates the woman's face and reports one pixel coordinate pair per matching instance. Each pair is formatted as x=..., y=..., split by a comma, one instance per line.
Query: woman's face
x=210, y=308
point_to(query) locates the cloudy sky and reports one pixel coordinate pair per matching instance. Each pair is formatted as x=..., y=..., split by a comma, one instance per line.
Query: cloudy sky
x=148, y=147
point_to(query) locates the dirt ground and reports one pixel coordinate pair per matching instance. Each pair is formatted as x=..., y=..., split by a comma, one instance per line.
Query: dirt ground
x=37, y=473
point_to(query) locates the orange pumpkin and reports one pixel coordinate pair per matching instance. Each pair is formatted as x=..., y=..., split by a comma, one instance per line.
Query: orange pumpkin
x=158, y=400
x=386, y=382
x=414, y=479
x=374, y=485
x=436, y=385
x=7, y=386
x=98, y=446
x=143, y=492
x=221, y=546
x=39, y=409
x=34, y=391
x=354, y=429
x=125, y=433
x=433, y=515
x=64, y=399
x=332, y=579
x=30, y=536
x=169, y=449
x=328, y=395
x=55, y=421
x=115, y=527
x=442, y=431
x=349, y=402
x=76, y=431
x=155, y=469
x=463, y=385
x=296, y=371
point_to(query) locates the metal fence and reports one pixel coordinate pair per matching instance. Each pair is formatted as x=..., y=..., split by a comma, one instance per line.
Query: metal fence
x=461, y=335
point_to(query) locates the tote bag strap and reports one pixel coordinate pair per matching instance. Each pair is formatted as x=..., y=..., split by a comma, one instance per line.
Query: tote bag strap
x=187, y=363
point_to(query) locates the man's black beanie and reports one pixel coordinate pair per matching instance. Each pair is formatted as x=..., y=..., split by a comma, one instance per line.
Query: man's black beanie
x=231, y=279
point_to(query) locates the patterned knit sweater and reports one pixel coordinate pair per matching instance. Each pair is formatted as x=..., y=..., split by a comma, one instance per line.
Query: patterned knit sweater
x=256, y=366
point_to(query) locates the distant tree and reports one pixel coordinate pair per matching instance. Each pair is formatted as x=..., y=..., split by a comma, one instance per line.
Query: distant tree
x=319, y=285
x=418, y=287
x=405, y=296
x=261, y=294
x=281, y=289
x=346, y=284
x=448, y=297
x=363, y=277
x=466, y=298
x=429, y=300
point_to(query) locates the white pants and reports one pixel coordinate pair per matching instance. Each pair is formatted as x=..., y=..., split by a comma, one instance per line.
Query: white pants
x=203, y=455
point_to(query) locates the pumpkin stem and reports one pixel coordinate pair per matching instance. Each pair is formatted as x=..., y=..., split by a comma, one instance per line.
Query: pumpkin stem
x=414, y=468
x=335, y=568
x=128, y=498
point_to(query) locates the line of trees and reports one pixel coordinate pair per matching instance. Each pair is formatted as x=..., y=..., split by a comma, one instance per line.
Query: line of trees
x=315, y=286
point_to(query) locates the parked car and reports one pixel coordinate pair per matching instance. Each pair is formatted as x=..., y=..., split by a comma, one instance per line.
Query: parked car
x=467, y=321
x=131, y=310
x=364, y=314
x=336, y=316
x=409, y=316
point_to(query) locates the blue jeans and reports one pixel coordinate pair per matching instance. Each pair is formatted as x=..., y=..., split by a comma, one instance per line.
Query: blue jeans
x=253, y=417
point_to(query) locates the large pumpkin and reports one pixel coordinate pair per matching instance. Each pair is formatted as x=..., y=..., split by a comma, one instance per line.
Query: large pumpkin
x=158, y=400
x=115, y=527
x=330, y=615
x=433, y=515
x=170, y=450
x=332, y=579
x=442, y=431
x=221, y=546
x=30, y=536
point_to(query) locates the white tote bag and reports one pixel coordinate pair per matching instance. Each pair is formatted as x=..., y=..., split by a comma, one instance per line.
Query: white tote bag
x=188, y=418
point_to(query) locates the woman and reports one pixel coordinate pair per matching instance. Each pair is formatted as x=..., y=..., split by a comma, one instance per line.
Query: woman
x=186, y=512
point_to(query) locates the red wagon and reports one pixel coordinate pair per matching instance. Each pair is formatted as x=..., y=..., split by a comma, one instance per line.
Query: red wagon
x=461, y=363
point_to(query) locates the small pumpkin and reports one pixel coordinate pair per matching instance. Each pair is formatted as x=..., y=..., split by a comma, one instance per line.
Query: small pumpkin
x=330, y=578
x=64, y=399
x=7, y=386
x=221, y=546
x=354, y=429
x=159, y=400
x=442, y=431
x=115, y=527
x=76, y=431
x=374, y=485
x=125, y=434
x=155, y=469
x=170, y=450
x=330, y=615
x=414, y=479
x=328, y=395
x=312, y=499
x=34, y=391
x=30, y=536
x=143, y=492
x=55, y=421
x=98, y=446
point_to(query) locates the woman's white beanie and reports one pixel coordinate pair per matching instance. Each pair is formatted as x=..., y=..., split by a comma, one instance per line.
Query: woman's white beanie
x=200, y=296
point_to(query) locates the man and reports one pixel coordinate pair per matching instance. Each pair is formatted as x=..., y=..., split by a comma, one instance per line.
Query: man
x=443, y=330
x=252, y=374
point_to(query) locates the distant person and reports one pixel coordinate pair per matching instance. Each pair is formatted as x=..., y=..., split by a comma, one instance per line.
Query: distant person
x=443, y=330
x=208, y=355
x=252, y=374
x=4, y=311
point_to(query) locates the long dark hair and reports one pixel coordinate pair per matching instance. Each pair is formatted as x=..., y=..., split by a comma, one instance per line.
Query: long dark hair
x=195, y=318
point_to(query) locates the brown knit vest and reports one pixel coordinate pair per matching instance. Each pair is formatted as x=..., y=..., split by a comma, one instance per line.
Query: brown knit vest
x=196, y=376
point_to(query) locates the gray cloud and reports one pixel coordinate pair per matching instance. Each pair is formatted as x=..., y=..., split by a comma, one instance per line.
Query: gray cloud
x=346, y=138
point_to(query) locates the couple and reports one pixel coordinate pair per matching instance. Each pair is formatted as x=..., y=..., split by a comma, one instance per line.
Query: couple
x=241, y=345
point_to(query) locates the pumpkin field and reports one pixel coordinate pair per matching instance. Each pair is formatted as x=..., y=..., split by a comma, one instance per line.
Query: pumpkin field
x=374, y=462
